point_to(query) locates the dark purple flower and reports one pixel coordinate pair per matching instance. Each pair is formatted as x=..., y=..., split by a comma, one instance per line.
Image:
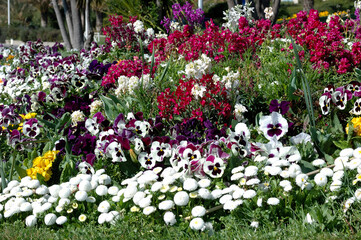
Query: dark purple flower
x=282, y=107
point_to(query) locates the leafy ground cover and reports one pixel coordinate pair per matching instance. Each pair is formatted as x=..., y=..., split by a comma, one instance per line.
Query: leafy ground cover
x=246, y=130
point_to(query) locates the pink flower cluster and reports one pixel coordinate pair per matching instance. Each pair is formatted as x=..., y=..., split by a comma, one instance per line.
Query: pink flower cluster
x=214, y=103
x=127, y=68
x=324, y=42
x=215, y=42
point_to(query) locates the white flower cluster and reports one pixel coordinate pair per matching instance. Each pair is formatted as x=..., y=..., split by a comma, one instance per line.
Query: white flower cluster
x=129, y=84
x=198, y=91
x=199, y=67
x=96, y=106
x=268, y=12
x=231, y=80
x=357, y=4
x=56, y=204
x=77, y=116
x=138, y=26
x=232, y=16
x=239, y=110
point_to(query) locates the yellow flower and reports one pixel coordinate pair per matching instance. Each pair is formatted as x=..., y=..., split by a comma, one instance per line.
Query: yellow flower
x=42, y=165
x=356, y=122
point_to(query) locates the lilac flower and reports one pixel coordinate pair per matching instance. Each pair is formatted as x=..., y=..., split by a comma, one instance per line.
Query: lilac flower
x=273, y=125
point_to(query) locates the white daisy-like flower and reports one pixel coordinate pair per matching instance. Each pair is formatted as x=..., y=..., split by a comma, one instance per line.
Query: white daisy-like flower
x=204, y=183
x=166, y=205
x=196, y=224
x=82, y=218
x=301, y=180
x=149, y=210
x=181, y=198
x=318, y=162
x=104, y=207
x=169, y=218
x=50, y=219
x=254, y=224
x=273, y=201
x=320, y=179
x=309, y=219
x=85, y=185
x=347, y=152
x=101, y=190
x=190, y=184
x=61, y=220
x=30, y=220
x=225, y=198
x=205, y=193
x=251, y=171
x=198, y=211
x=328, y=172
x=249, y=194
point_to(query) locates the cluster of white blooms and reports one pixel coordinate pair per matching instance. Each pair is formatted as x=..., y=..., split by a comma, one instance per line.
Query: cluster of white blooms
x=199, y=67
x=138, y=26
x=77, y=116
x=268, y=12
x=129, y=84
x=56, y=204
x=232, y=16
x=239, y=110
x=175, y=26
x=96, y=106
x=231, y=80
x=198, y=91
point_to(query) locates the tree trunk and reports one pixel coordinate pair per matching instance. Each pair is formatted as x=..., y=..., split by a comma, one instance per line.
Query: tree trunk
x=77, y=28
x=98, y=20
x=87, y=19
x=230, y=4
x=44, y=19
x=275, y=8
x=308, y=5
x=69, y=22
x=61, y=25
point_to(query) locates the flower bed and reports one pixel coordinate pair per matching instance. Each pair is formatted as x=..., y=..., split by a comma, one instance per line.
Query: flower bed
x=187, y=127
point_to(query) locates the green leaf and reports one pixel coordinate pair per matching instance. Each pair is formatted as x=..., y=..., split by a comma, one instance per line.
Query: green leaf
x=3, y=180
x=110, y=108
x=40, y=178
x=342, y=144
x=21, y=171
x=329, y=159
x=63, y=120
x=47, y=148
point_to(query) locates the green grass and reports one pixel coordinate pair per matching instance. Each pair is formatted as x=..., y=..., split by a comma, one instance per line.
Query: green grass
x=141, y=228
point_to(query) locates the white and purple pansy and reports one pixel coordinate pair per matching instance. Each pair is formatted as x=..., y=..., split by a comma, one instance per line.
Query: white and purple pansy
x=31, y=128
x=190, y=152
x=329, y=89
x=142, y=127
x=273, y=125
x=147, y=160
x=340, y=98
x=114, y=149
x=240, y=135
x=214, y=166
x=353, y=86
x=356, y=110
x=161, y=150
x=92, y=126
x=325, y=101
x=237, y=150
